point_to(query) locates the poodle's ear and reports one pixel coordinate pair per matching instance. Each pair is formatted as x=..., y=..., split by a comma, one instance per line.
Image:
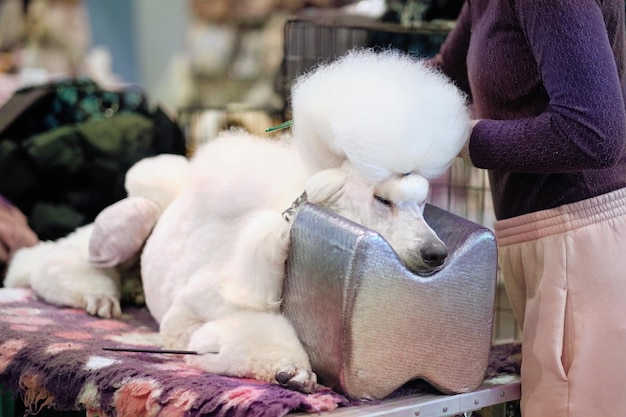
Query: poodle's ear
x=324, y=184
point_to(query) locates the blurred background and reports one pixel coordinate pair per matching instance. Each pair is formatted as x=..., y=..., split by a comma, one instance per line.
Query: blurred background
x=207, y=65
x=183, y=53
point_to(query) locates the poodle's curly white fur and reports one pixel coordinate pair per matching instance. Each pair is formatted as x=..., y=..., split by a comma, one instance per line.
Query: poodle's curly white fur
x=370, y=130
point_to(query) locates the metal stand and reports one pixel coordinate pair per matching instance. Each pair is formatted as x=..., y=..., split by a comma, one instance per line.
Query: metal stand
x=432, y=405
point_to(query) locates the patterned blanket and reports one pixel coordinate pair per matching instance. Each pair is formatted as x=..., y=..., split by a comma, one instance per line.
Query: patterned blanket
x=54, y=357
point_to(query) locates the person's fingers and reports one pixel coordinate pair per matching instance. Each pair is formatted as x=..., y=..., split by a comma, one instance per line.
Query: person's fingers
x=4, y=253
x=24, y=238
x=14, y=236
x=15, y=233
x=11, y=214
x=465, y=152
x=7, y=236
x=7, y=208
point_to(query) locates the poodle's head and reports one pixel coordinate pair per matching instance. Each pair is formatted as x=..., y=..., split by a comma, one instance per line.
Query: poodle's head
x=375, y=127
x=386, y=112
x=393, y=207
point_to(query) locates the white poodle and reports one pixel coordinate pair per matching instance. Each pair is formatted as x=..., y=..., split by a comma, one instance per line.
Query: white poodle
x=369, y=131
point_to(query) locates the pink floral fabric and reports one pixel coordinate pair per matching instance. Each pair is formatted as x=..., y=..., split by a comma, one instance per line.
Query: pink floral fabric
x=54, y=357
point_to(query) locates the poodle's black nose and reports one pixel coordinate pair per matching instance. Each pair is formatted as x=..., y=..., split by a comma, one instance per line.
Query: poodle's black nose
x=434, y=254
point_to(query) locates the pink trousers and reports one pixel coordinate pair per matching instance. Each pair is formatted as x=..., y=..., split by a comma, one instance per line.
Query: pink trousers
x=565, y=274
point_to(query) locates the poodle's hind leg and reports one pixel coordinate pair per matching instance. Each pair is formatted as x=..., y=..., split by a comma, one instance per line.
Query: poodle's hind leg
x=120, y=231
x=21, y=265
x=250, y=344
x=65, y=277
x=60, y=273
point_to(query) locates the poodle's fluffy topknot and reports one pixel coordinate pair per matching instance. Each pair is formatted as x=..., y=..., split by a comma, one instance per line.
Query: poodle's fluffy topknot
x=385, y=112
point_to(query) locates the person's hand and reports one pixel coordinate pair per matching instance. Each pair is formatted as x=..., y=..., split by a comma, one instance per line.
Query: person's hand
x=465, y=154
x=14, y=231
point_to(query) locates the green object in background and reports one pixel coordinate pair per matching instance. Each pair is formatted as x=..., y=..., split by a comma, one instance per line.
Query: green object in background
x=283, y=125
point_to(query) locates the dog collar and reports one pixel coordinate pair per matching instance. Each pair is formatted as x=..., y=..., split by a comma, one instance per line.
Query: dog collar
x=288, y=214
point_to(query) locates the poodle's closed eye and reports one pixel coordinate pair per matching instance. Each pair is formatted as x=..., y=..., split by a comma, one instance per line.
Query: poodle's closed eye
x=383, y=200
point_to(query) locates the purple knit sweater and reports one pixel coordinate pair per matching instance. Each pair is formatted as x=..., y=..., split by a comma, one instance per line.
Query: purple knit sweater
x=548, y=75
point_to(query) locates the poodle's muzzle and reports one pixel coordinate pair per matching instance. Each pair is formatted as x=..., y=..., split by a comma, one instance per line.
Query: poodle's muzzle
x=426, y=260
x=432, y=258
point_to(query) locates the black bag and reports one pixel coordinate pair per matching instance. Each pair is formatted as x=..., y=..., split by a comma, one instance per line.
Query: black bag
x=428, y=9
x=65, y=148
x=443, y=9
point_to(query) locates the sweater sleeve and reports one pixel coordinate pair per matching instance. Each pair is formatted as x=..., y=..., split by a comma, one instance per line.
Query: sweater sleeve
x=451, y=59
x=584, y=124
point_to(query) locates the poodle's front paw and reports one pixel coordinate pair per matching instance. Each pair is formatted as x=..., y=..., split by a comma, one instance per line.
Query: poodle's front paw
x=253, y=344
x=103, y=306
x=297, y=379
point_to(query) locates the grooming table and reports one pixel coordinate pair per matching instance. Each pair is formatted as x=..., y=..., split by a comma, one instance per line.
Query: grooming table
x=53, y=357
x=490, y=394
